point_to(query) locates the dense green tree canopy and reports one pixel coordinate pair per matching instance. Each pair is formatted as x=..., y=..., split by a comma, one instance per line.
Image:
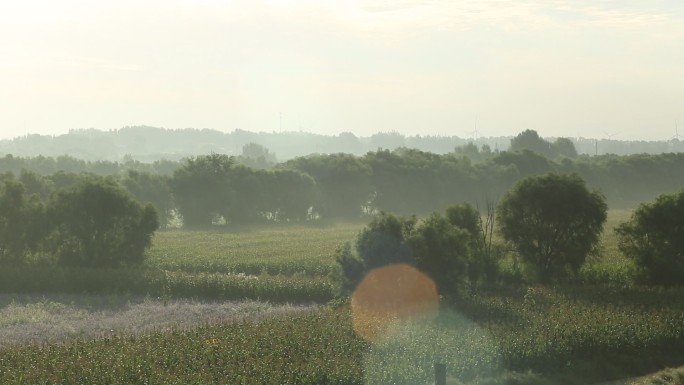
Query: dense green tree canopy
x=445, y=247
x=343, y=180
x=553, y=221
x=151, y=188
x=202, y=188
x=654, y=239
x=530, y=140
x=22, y=222
x=384, y=241
x=97, y=223
x=442, y=250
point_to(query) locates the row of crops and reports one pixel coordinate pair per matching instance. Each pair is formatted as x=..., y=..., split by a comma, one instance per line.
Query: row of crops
x=541, y=334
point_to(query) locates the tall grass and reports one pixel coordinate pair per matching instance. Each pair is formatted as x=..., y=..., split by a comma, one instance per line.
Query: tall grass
x=173, y=284
x=314, y=348
x=610, y=266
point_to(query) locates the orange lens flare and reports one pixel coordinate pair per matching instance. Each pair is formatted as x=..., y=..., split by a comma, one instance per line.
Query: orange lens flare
x=391, y=294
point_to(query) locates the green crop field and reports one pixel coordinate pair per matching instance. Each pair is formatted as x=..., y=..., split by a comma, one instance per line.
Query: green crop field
x=278, y=264
x=279, y=250
x=538, y=333
x=601, y=328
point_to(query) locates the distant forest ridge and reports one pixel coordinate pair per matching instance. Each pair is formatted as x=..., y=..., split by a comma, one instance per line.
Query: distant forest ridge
x=149, y=144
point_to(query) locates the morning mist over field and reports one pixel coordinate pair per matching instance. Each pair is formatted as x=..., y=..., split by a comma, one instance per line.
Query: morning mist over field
x=609, y=69
x=348, y=192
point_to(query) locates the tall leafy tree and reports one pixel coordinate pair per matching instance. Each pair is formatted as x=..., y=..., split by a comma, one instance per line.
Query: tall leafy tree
x=530, y=140
x=202, y=189
x=295, y=194
x=97, y=223
x=553, y=221
x=525, y=162
x=654, y=239
x=22, y=222
x=251, y=193
x=343, y=181
x=385, y=241
x=36, y=184
x=442, y=251
x=565, y=147
x=153, y=189
x=257, y=156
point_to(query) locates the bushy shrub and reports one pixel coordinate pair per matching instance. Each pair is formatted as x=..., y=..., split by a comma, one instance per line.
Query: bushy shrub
x=442, y=251
x=22, y=223
x=384, y=241
x=448, y=248
x=654, y=239
x=97, y=223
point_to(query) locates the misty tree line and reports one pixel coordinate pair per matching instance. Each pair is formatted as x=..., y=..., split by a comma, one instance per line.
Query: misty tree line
x=218, y=188
x=149, y=144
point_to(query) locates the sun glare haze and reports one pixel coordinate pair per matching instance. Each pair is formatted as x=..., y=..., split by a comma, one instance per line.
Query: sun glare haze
x=571, y=68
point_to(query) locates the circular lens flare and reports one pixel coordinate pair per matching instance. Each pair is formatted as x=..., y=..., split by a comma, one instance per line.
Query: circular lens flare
x=391, y=294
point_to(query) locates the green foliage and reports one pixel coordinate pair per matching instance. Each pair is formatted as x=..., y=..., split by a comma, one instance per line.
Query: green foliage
x=530, y=140
x=257, y=156
x=353, y=268
x=22, y=222
x=466, y=217
x=403, y=181
x=408, y=181
x=343, y=180
x=442, y=251
x=96, y=223
x=384, y=241
x=36, y=184
x=295, y=192
x=449, y=248
x=553, y=221
x=565, y=147
x=213, y=189
x=654, y=239
x=525, y=163
x=150, y=188
x=202, y=189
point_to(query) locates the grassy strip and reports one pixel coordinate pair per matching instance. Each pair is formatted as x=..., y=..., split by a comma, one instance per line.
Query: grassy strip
x=158, y=283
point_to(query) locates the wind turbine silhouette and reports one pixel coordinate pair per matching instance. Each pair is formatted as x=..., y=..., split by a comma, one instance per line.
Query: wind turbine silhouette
x=474, y=134
x=677, y=136
x=610, y=136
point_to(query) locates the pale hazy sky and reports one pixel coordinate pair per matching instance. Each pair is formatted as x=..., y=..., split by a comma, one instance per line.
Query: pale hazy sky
x=592, y=68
